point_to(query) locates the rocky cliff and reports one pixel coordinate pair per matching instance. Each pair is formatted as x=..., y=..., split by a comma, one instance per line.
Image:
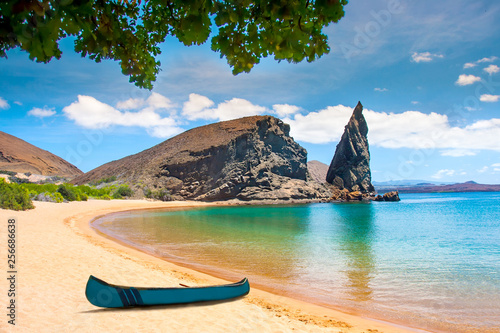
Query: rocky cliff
x=252, y=158
x=20, y=156
x=350, y=167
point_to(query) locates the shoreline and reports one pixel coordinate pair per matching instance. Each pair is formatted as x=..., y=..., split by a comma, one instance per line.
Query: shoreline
x=64, y=229
x=222, y=274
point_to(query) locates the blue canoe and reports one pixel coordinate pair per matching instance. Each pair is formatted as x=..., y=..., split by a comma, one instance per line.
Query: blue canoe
x=103, y=294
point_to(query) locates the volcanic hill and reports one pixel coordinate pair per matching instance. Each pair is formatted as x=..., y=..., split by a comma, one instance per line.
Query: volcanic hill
x=20, y=156
x=252, y=158
x=318, y=170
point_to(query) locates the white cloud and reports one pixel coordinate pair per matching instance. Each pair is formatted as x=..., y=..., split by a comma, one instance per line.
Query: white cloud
x=470, y=108
x=18, y=103
x=442, y=173
x=3, y=104
x=465, y=80
x=130, y=104
x=197, y=107
x=285, y=110
x=483, y=169
x=483, y=60
x=489, y=98
x=492, y=69
x=157, y=101
x=381, y=89
x=458, y=152
x=490, y=59
x=237, y=108
x=323, y=126
x=425, y=56
x=154, y=102
x=495, y=165
x=88, y=112
x=387, y=130
x=42, y=113
x=415, y=102
x=410, y=129
x=164, y=131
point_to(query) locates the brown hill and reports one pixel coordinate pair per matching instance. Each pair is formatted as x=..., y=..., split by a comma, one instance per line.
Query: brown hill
x=251, y=158
x=20, y=156
x=318, y=170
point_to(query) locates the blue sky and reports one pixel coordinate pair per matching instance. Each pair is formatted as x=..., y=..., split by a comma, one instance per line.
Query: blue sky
x=427, y=73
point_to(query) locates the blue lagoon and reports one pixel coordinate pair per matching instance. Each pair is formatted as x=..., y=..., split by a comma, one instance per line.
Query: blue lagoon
x=431, y=261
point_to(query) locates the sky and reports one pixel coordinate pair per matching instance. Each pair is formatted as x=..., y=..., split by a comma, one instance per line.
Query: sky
x=427, y=73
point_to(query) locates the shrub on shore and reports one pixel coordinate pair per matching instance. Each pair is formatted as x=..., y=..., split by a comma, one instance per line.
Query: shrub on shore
x=14, y=179
x=14, y=197
x=67, y=192
x=49, y=197
x=162, y=194
x=10, y=173
x=122, y=192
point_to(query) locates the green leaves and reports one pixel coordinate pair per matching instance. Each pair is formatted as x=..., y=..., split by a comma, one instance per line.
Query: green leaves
x=290, y=30
x=130, y=32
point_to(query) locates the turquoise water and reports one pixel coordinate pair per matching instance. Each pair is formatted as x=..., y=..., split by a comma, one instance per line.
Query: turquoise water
x=431, y=261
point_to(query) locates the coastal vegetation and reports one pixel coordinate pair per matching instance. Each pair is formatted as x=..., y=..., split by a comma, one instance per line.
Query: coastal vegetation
x=9, y=173
x=161, y=194
x=13, y=196
x=103, y=180
x=20, y=196
x=122, y=192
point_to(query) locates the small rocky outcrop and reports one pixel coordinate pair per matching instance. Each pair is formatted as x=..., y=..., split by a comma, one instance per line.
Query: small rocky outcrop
x=350, y=166
x=339, y=194
x=252, y=158
x=389, y=196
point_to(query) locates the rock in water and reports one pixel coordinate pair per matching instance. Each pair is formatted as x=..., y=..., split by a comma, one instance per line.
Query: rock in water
x=350, y=167
x=252, y=158
x=391, y=196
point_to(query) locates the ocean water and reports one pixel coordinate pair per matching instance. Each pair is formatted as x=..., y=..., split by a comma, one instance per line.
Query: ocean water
x=431, y=261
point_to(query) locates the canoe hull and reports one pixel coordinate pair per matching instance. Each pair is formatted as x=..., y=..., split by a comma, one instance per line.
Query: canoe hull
x=103, y=294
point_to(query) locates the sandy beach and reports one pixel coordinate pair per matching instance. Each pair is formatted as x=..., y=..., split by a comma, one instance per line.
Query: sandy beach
x=57, y=250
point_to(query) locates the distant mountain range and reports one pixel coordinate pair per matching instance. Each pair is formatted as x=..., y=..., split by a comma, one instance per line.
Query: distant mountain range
x=409, y=182
x=429, y=187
